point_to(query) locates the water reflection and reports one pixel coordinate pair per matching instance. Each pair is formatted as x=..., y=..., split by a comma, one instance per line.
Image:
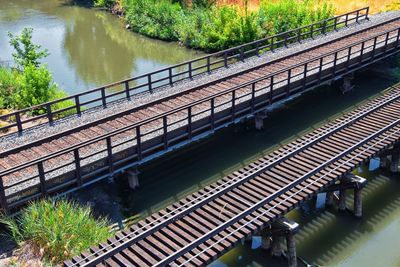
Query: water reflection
x=88, y=47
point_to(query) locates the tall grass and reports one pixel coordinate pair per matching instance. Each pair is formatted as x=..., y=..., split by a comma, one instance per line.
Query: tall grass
x=59, y=229
x=211, y=27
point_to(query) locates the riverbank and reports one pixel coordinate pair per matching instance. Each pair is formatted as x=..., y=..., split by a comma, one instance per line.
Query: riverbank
x=204, y=25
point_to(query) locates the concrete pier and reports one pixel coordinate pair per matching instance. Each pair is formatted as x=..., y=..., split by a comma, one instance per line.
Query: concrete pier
x=383, y=161
x=276, y=249
x=259, y=120
x=394, y=163
x=329, y=198
x=273, y=238
x=347, y=85
x=291, y=250
x=342, y=199
x=133, y=178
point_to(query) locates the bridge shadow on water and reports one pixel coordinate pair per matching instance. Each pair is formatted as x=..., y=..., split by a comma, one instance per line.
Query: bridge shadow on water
x=168, y=178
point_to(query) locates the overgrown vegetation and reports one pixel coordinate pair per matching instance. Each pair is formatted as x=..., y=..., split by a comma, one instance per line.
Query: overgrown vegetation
x=203, y=25
x=57, y=230
x=29, y=82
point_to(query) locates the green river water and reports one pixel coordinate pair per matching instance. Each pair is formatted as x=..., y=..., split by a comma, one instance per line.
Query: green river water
x=90, y=48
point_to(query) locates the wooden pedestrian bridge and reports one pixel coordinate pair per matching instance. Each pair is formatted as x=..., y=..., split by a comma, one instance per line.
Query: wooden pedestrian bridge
x=122, y=125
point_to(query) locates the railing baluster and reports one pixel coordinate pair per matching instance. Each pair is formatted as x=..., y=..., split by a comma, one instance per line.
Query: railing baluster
x=305, y=76
x=212, y=114
x=226, y=59
x=362, y=51
x=257, y=48
x=190, y=70
x=321, y=62
x=357, y=15
x=78, y=167
x=190, y=122
x=271, y=90
x=398, y=38
x=77, y=105
x=335, y=25
x=233, y=104
x=138, y=143
x=272, y=44
x=127, y=92
x=42, y=178
x=288, y=82
x=312, y=31
x=386, y=42
x=347, y=20
x=49, y=113
x=253, y=95
x=299, y=35
x=150, y=83
x=18, y=121
x=110, y=155
x=103, y=96
x=208, y=65
x=3, y=199
x=373, y=48
x=348, y=58
x=171, y=82
x=285, y=39
x=242, y=53
x=165, y=130
x=367, y=13
x=334, y=63
x=324, y=27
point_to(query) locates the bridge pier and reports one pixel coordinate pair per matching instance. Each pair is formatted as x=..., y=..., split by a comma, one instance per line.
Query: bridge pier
x=350, y=181
x=259, y=120
x=329, y=198
x=383, y=164
x=272, y=238
x=395, y=158
x=133, y=178
x=347, y=85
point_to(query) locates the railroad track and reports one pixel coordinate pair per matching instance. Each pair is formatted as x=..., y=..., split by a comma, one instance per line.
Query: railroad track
x=205, y=224
x=83, y=155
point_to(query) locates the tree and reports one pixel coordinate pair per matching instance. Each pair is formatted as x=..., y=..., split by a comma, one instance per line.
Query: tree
x=26, y=53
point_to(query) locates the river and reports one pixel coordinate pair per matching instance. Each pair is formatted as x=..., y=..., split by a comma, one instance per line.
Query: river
x=89, y=48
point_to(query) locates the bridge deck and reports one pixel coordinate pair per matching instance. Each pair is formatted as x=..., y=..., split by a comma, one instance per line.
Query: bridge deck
x=82, y=155
x=205, y=224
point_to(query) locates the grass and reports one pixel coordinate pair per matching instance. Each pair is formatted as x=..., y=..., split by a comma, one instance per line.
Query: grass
x=57, y=230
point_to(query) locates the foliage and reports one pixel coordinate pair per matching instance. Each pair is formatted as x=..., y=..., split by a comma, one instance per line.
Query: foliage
x=31, y=83
x=61, y=229
x=211, y=28
x=104, y=3
x=26, y=53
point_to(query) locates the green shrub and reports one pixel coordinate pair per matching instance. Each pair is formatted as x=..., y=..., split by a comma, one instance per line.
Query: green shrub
x=61, y=229
x=8, y=87
x=211, y=28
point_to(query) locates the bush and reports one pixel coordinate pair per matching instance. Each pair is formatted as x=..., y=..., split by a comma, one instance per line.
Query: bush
x=8, y=87
x=60, y=229
x=211, y=28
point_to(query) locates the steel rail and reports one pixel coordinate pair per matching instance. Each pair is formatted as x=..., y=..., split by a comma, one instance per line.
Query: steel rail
x=224, y=53
x=195, y=103
x=237, y=181
x=278, y=193
x=122, y=113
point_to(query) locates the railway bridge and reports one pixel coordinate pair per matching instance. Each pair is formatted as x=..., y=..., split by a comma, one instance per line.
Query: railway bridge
x=122, y=125
x=253, y=200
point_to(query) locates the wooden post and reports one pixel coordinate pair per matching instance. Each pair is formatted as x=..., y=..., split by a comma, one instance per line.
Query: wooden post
x=291, y=250
x=329, y=199
x=133, y=178
x=358, y=202
x=276, y=250
x=342, y=199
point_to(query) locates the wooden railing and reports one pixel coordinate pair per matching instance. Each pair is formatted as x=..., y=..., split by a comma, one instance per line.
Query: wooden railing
x=126, y=89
